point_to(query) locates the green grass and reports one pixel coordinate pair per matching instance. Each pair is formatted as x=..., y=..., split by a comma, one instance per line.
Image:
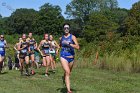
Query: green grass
x=83, y=80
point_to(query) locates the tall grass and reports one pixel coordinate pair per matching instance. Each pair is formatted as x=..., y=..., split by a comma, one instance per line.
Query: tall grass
x=117, y=60
x=127, y=61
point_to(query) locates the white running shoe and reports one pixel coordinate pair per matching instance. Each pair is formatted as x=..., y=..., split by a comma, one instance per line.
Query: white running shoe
x=46, y=75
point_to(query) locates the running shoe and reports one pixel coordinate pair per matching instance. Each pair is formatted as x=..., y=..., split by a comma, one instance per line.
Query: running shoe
x=27, y=73
x=46, y=74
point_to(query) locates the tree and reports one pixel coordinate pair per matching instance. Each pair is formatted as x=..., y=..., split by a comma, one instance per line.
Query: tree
x=132, y=22
x=50, y=20
x=80, y=9
x=0, y=16
x=116, y=15
x=2, y=25
x=97, y=27
x=22, y=21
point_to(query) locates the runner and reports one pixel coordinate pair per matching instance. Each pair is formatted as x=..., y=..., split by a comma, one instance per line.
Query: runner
x=32, y=46
x=23, y=55
x=53, y=51
x=45, y=44
x=17, y=63
x=68, y=42
x=3, y=45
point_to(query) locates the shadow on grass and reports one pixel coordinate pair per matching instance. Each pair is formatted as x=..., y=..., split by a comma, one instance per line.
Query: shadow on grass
x=64, y=90
x=3, y=73
x=49, y=73
x=43, y=74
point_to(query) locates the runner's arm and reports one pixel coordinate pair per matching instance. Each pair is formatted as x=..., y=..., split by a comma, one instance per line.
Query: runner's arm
x=6, y=46
x=19, y=48
x=58, y=47
x=15, y=46
x=60, y=41
x=38, y=48
x=75, y=45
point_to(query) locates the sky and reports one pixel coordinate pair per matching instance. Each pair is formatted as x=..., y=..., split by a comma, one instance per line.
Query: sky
x=8, y=6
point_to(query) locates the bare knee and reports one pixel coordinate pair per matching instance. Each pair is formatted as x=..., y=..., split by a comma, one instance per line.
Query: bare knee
x=67, y=73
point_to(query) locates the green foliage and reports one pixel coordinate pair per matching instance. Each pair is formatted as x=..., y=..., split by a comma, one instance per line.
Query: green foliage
x=112, y=31
x=116, y=15
x=2, y=20
x=0, y=16
x=50, y=20
x=97, y=27
x=80, y=9
x=22, y=21
x=132, y=22
x=47, y=20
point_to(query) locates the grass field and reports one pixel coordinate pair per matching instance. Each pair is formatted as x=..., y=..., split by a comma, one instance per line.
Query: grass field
x=83, y=80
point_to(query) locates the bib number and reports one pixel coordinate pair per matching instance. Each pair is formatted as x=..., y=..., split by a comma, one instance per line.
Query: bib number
x=1, y=49
x=46, y=51
x=52, y=51
x=31, y=48
x=66, y=49
x=24, y=51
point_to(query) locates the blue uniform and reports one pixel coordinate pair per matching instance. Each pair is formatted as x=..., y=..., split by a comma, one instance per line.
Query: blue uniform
x=2, y=49
x=67, y=50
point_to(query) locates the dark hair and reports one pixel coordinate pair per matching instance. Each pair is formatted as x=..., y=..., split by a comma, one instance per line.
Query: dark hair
x=66, y=24
x=23, y=34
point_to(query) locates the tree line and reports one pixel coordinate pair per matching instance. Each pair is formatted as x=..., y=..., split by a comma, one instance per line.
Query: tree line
x=93, y=20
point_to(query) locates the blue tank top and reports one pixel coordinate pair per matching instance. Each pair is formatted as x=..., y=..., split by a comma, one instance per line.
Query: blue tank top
x=67, y=50
x=2, y=44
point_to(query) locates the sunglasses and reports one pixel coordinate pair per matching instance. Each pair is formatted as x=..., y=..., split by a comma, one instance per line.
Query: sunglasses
x=2, y=37
x=66, y=28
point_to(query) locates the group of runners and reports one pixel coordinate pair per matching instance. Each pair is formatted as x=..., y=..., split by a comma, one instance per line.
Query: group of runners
x=48, y=48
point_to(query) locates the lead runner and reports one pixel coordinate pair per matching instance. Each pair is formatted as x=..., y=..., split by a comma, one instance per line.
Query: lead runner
x=68, y=42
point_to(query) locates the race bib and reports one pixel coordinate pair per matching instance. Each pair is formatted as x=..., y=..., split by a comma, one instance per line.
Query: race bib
x=52, y=51
x=1, y=49
x=31, y=47
x=24, y=51
x=46, y=51
x=66, y=49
